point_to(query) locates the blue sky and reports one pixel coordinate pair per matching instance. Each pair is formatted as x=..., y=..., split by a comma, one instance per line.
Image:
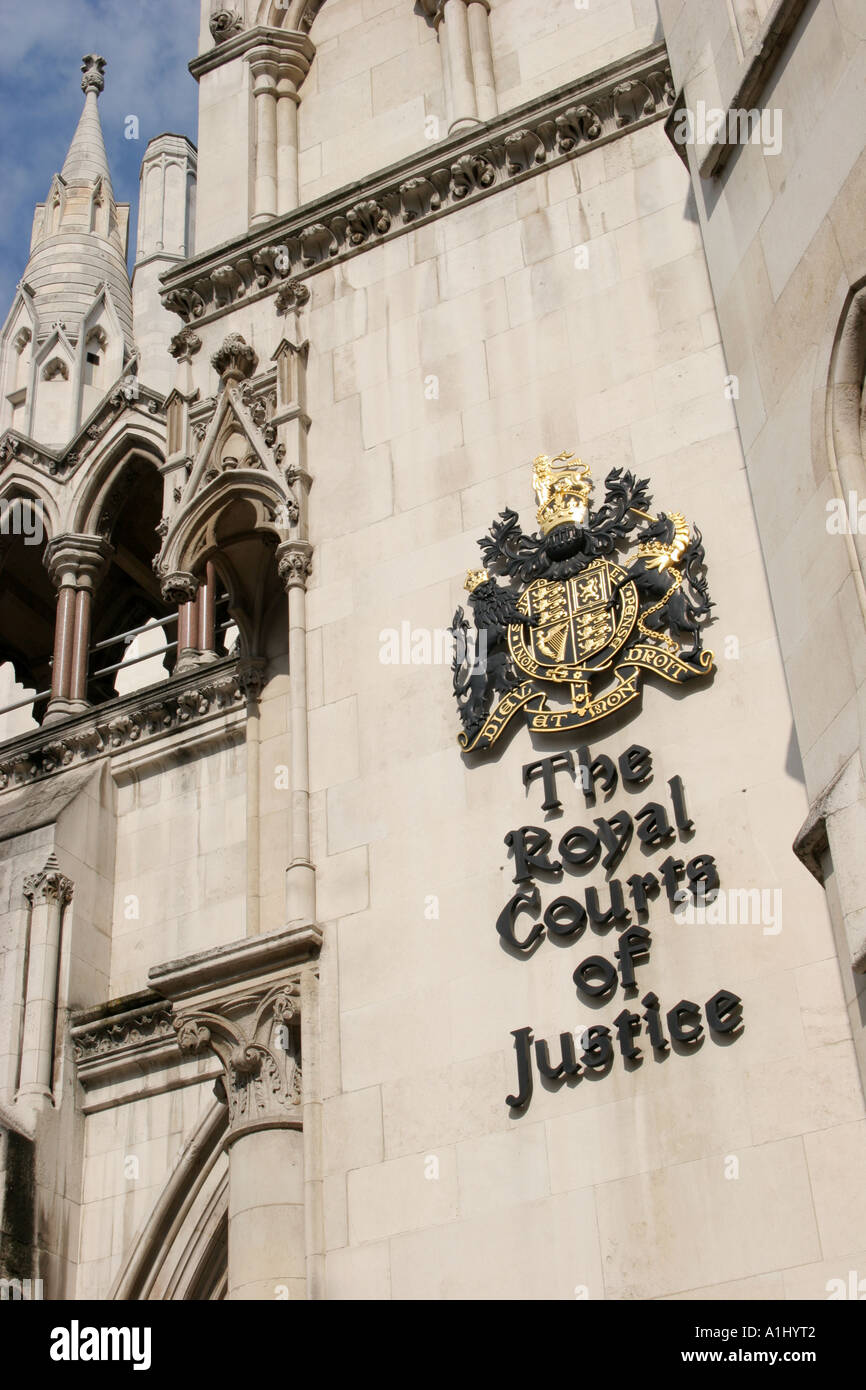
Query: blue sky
x=147, y=43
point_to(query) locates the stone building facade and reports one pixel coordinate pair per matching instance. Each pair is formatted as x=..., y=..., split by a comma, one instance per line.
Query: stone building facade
x=274, y=947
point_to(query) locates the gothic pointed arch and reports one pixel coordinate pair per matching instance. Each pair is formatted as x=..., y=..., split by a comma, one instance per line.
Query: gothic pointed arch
x=181, y=1250
x=19, y=481
x=101, y=480
x=27, y=612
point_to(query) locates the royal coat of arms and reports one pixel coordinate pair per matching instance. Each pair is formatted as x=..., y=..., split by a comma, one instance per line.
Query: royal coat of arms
x=596, y=599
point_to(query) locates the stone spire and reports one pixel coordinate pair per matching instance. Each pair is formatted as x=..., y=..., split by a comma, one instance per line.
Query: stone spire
x=69, y=333
x=80, y=232
x=87, y=160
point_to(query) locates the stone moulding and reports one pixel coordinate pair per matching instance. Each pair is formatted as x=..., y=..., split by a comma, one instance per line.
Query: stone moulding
x=539, y=135
x=130, y=721
x=106, y=1039
x=260, y=958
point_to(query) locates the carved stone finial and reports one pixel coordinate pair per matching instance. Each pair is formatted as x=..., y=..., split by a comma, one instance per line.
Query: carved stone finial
x=292, y=295
x=184, y=345
x=93, y=68
x=235, y=360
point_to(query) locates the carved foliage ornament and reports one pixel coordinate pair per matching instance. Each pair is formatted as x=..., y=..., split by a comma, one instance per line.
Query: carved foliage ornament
x=114, y=1035
x=294, y=563
x=489, y=160
x=184, y=345
x=224, y=23
x=235, y=360
x=107, y=733
x=257, y=1040
x=49, y=885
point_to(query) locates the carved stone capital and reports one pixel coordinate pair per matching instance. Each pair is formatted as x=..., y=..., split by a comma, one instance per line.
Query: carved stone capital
x=235, y=360
x=283, y=61
x=77, y=561
x=257, y=1038
x=250, y=677
x=49, y=885
x=295, y=563
x=179, y=587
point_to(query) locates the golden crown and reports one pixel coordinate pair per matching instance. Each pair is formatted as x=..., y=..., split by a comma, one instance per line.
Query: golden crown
x=474, y=578
x=562, y=493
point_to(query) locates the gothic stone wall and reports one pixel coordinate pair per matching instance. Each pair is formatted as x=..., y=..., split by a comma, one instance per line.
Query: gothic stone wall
x=786, y=253
x=431, y=1187
x=440, y=363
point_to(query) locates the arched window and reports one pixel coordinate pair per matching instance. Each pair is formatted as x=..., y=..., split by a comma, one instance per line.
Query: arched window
x=94, y=357
x=55, y=370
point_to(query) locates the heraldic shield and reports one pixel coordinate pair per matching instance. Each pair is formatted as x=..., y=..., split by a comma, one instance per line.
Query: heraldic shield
x=582, y=618
x=580, y=623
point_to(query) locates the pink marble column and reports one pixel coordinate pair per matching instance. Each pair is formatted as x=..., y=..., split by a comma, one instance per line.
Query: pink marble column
x=206, y=600
x=64, y=632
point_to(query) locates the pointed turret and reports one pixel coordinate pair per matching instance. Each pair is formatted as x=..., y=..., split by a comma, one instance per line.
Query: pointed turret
x=87, y=160
x=69, y=333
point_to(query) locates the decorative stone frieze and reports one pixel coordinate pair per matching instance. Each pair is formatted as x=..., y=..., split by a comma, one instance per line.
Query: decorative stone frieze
x=538, y=135
x=134, y=720
x=257, y=1038
x=121, y=1033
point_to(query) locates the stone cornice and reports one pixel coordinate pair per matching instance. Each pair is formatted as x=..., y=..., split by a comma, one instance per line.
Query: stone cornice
x=284, y=43
x=224, y=967
x=131, y=721
x=541, y=134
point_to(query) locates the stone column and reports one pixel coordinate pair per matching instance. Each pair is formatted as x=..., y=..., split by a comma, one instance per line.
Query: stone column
x=206, y=607
x=287, y=143
x=467, y=60
x=294, y=560
x=64, y=627
x=181, y=588
x=278, y=69
x=460, y=94
x=48, y=893
x=264, y=74
x=257, y=1038
x=482, y=59
x=76, y=565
